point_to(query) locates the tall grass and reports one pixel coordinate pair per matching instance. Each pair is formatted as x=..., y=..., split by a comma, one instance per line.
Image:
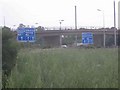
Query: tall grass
x=65, y=68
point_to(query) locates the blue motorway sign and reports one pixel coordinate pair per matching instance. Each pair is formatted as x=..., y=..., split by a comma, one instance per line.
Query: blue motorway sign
x=87, y=38
x=26, y=34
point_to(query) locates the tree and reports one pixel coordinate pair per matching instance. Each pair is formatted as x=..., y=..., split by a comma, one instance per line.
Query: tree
x=9, y=51
x=21, y=25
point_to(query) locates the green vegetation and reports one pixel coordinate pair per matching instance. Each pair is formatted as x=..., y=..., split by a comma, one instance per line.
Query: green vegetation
x=9, y=52
x=65, y=68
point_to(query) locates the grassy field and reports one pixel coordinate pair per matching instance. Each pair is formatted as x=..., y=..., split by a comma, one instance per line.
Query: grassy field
x=65, y=68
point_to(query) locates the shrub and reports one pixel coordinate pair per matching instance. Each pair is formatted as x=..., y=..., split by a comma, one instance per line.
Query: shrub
x=86, y=46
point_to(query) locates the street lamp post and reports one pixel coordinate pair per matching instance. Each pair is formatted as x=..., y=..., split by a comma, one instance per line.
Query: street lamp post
x=103, y=16
x=104, y=36
x=76, y=25
x=36, y=26
x=4, y=20
x=75, y=18
x=115, y=26
x=60, y=21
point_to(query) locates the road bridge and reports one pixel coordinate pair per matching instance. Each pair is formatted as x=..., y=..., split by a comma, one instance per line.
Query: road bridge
x=71, y=32
x=54, y=37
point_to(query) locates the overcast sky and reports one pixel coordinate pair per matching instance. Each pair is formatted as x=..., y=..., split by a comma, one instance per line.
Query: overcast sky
x=49, y=12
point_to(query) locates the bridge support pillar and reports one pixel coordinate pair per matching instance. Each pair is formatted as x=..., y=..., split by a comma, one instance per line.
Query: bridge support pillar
x=76, y=40
x=104, y=38
x=60, y=40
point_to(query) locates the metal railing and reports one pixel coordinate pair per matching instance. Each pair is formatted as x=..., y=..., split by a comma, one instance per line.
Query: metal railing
x=72, y=28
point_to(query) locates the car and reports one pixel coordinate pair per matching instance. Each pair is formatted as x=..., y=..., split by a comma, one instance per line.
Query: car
x=64, y=46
